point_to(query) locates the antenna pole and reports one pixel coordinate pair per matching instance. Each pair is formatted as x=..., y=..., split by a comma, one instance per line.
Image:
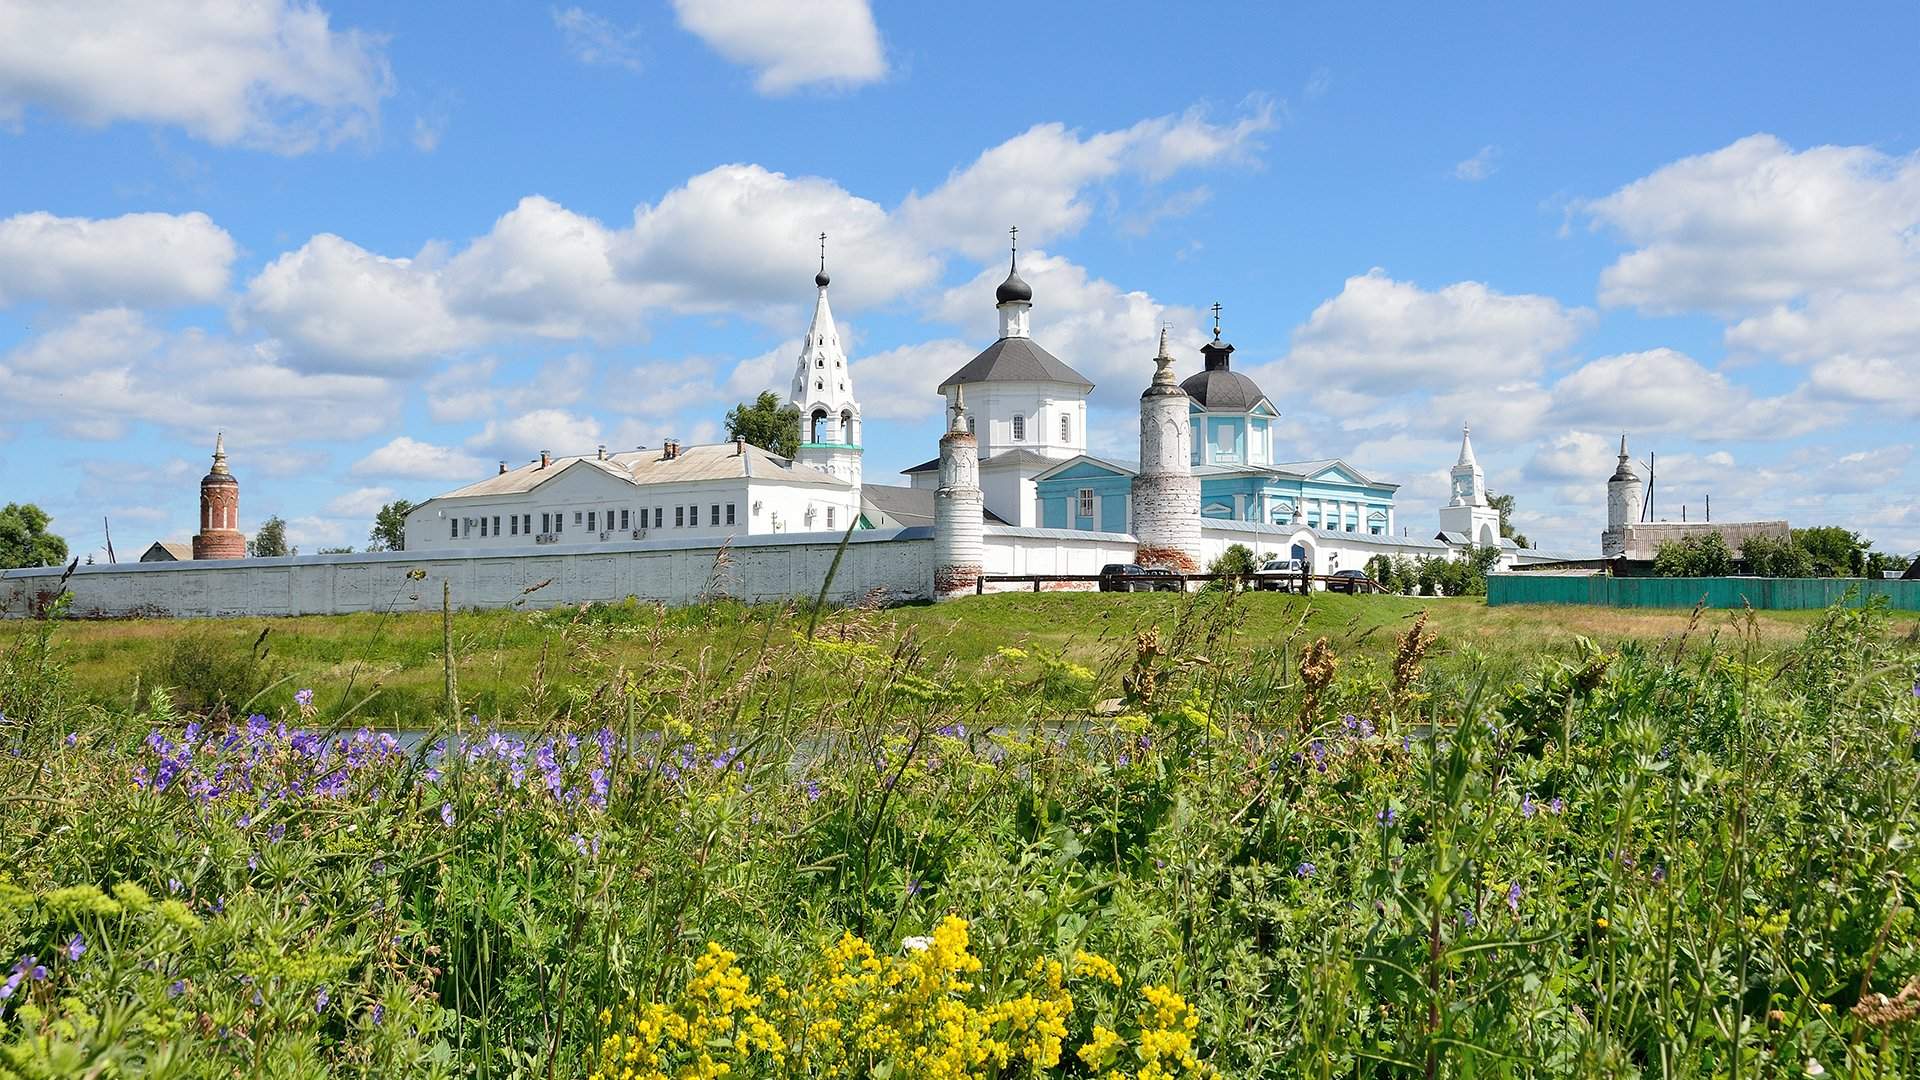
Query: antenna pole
x=108, y=526
x=1646, y=512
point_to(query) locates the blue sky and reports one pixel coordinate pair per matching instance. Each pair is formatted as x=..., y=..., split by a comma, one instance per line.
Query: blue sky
x=384, y=246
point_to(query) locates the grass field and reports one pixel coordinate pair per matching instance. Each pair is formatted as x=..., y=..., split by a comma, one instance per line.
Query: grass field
x=500, y=653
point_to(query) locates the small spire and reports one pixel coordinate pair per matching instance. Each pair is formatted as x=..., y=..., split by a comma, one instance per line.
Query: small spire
x=1623, y=446
x=1163, y=363
x=1466, y=446
x=1163, y=341
x=220, y=451
x=958, y=410
x=821, y=279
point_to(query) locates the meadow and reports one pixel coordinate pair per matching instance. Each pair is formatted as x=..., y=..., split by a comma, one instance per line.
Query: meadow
x=1138, y=837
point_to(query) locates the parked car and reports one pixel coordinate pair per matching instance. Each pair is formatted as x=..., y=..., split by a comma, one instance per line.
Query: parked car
x=1349, y=581
x=1111, y=574
x=1279, y=574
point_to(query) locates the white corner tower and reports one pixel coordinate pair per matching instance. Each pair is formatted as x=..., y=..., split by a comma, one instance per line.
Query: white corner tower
x=1166, y=494
x=823, y=392
x=959, y=527
x=1623, y=504
x=1468, y=512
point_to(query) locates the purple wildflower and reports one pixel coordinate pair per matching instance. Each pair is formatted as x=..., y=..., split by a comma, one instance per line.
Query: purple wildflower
x=76, y=947
x=7, y=988
x=1527, y=808
x=813, y=790
x=276, y=834
x=1558, y=805
x=378, y=1014
x=446, y=814
x=1513, y=898
x=320, y=1000
x=1304, y=870
x=178, y=987
x=303, y=698
x=72, y=737
x=1387, y=815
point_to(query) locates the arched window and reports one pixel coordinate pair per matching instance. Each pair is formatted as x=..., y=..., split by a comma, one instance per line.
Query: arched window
x=1019, y=428
x=817, y=433
x=1066, y=428
x=969, y=423
x=846, y=426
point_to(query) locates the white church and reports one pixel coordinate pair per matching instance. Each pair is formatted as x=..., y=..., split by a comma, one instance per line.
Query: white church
x=1024, y=411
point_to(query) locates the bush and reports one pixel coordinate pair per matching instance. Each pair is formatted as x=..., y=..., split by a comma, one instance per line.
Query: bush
x=1772, y=556
x=207, y=674
x=1704, y=555
x=1237, y=559
x=1380, y=569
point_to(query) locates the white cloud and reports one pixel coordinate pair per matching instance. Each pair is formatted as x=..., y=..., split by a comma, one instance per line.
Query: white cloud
x=557, y=430
x=789, y=45
x=598, y=40
x=1756, y=224
x=1480, y=166
x=360, y=502
x=92, y=376
x=898, y=383
x=336, y=304
x=412, y=459
x=143, y=260
x=545, y=270
x=272, y=74
x=1381, y=337
x=468, y=391
x=1662, y=390
x=1039, y=178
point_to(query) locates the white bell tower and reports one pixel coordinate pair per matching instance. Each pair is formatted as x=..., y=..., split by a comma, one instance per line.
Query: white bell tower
x=823, y=392
x=1468, y=511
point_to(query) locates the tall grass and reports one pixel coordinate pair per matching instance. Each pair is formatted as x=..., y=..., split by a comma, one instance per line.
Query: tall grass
x=1366, y=852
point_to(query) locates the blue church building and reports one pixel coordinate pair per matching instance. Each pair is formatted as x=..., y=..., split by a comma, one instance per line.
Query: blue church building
x=1233, y=458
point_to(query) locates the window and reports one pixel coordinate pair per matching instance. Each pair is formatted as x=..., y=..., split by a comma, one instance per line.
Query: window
x=454, y=524
x=729, y=513
x=592, y=523
x=515, y=523
x=546, y=522
x=969, y=423
x=1066, y=428
x=576, y=517
x=625, y=517
x=1086, y=502
x=1019, y=428
x=496, y=524
x=693, y=516
x=526, y=523
x=659, y=517
x=829, y=517
x=715, y=516
x=483, y=526
x=679, y=517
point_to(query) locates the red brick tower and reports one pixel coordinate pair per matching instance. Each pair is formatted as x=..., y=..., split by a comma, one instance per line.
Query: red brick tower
x=219, y=536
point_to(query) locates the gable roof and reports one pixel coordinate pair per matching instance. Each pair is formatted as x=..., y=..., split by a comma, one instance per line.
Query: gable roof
x=168, y=551
x=1016, y=359
x=709, y=461
x=888, y=505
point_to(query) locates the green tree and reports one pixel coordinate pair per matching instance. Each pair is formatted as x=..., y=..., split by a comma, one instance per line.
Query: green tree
x=1836, y=552
x=1504, y=504
x=270, y=539
x=1878, y=562
x=24, y=539
x=767, y=424
x=1237, y=559
x=1775, y=556
x=1380, y=569
x=390, y=527
x=1702, y=555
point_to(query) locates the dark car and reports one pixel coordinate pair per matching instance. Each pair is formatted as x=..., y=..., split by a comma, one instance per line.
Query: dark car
x=1349, y=581
x=1111, y=576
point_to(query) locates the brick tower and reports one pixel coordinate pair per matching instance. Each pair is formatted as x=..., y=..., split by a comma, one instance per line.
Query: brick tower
x=219, y=536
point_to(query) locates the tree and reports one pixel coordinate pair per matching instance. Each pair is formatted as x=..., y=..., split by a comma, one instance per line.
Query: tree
x=1504, y=504
x=270, y=540
x=767, y=424
x=1237, y=559
x=390, y=527
x=1775, y=556
x=1879, y=562
x=1703, y=555
x=24, y=539
x=1380, y=569
x=1836, y=552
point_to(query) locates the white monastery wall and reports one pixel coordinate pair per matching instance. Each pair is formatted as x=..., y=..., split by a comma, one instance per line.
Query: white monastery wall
x=899, y=561
x=1011, y=550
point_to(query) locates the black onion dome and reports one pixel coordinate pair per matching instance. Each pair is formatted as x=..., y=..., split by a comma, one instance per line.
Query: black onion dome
x=1013, y=289
x=821, y=279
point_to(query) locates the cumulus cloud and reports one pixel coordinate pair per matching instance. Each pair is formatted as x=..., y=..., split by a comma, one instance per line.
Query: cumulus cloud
x=1756, y=224
x=469, y=391
x=1480, y=166
x=334, y=303
x=274, y=75
x=898, y=383
x=831, y=43
x=1380, y=337
x=409, y=458
x=557, y=430
x=360, y=502
x=1663, y=390
x=140, y=260
x=94, y=375
x=598, y=40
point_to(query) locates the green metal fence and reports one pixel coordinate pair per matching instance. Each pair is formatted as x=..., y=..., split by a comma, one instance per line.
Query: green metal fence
x=1773, y=594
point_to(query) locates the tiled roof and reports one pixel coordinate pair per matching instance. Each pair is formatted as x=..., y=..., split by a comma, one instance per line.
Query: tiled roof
x=712, y=461
x=1016, y=359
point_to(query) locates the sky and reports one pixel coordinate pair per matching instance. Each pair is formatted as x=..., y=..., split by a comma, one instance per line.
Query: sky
x=385, y=246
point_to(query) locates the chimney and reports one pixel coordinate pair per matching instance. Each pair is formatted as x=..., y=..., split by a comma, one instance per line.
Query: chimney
x=739, y=446
x=670, y=449
x=503, y=468
x=603, y=451
x=546, y=458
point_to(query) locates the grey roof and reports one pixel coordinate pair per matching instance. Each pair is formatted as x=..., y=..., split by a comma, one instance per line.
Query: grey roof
x=1016, y=359
x=168, y=551
x=1004, y=458
x=711, y=461
x=887, y=505
x=1222, y=390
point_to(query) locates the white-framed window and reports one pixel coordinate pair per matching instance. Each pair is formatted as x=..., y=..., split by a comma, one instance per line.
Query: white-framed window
x=829, y=517
x=483, y=526
x=693, y=516
x=593, y=522
x=730, y=513
x=969, y=423
x=526, y=524
x=679, y=517
x=454, y=524
x=576, y=517
x=626, y=517
x=659, y=516
x=514, y=522
x=1086, y=502
x=1066, y=428
x=714, y=517
x=496, y=524
x=1019, y=428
